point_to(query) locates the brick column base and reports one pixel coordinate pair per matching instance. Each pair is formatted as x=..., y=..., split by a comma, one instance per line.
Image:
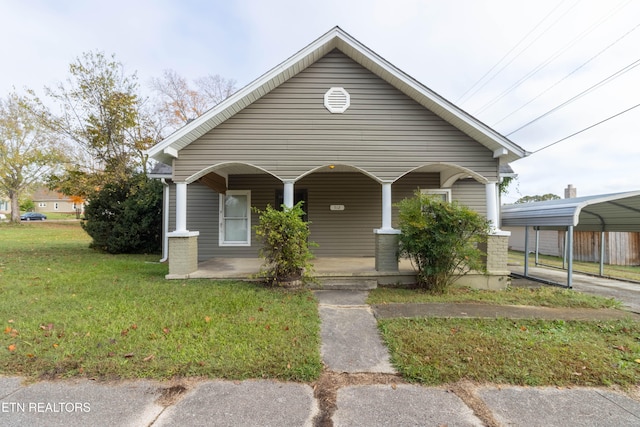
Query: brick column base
x=497, y=276
x=183, y=255
x=387, y=250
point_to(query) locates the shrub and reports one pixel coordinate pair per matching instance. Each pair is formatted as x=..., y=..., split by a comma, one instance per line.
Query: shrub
x=126, y=216
x=285, y=247
x=441, y=240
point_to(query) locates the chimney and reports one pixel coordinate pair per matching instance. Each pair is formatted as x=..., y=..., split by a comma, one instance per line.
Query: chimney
x=570, y=192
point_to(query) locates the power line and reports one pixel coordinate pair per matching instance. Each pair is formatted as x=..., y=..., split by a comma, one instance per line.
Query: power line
x=509, y=53
x=580, y=95
x=551, y=58
x=563, y=79
x=586, y=129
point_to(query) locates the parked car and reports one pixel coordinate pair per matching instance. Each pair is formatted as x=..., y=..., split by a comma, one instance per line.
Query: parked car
x=33, y=216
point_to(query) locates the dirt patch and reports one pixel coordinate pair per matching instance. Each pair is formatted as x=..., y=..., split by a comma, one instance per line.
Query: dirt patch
x=325, y=390
x=171, y=395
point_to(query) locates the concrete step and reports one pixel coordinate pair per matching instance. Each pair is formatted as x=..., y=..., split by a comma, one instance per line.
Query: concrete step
x=345, y=283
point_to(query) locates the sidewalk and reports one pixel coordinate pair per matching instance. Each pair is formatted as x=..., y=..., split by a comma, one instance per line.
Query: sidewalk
x=352, y=347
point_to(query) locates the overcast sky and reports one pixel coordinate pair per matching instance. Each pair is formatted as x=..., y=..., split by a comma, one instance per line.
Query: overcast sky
x=505, y=62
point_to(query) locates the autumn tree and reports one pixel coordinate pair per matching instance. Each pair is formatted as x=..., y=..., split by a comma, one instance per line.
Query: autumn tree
x=98, y=108
x=179, y=101
x=28, y=151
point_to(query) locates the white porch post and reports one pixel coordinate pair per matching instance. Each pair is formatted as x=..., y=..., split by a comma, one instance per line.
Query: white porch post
x=181, y=207
x=386, y=206
x=288, y=194
x=492, y=205
x=387, y=236
x=183, y=244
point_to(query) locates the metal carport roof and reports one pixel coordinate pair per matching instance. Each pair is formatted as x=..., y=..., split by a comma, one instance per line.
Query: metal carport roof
x=606, y=212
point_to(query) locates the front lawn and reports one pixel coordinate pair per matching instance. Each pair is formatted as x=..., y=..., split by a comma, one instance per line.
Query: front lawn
x=546, y=296
x=67, y=310
x=523, y=352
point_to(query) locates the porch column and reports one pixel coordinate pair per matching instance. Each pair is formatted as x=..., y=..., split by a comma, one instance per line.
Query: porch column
x=181, y=207
x=492, y=205
x=386, y=206
x=183, y=244
x=387, y=236
x=288, y=194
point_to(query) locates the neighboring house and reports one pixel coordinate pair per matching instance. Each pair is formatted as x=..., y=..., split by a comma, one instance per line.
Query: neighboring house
x=5, y=206
x=47, y=201
x=343, y=130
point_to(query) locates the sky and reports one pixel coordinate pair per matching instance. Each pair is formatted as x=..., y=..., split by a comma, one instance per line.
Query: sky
x=505, y=62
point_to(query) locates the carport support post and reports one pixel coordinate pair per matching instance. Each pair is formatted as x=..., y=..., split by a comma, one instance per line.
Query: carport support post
x=570, y=257
x=601, y=253
x=526, y=251
x=537, y=245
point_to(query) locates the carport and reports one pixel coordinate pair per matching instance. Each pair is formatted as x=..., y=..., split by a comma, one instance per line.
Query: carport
x=607, y=212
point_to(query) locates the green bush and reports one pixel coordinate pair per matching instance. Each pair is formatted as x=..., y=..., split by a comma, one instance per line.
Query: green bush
x=285, y=245
x=441, y=240
x=126, y=216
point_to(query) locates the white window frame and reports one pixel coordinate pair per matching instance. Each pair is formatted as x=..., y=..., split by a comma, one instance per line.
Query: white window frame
x=56, y=206
x=221, y=240
x=438, y=191
x=42, y=204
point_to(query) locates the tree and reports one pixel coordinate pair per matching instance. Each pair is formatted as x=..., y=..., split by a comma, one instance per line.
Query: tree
x=179, y=102
x=441, y=240
x=100, y=111
x=529, y=199
x=126, y=216
x=27, y=150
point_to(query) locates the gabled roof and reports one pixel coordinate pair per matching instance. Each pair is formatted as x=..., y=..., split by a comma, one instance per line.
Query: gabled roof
x=336, y=38
x=606, y=212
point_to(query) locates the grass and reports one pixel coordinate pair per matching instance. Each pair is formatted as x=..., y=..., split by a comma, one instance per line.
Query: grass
x=542, y=296
x=503, y=351
x=68, y=311
x=613, y=271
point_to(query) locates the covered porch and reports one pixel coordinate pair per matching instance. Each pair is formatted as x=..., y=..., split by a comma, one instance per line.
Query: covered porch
x=336, y=273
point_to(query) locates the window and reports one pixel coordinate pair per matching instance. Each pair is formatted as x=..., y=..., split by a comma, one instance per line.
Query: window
x=445, y=193
x=55, y=206
x=42, y=204
x=235, y=218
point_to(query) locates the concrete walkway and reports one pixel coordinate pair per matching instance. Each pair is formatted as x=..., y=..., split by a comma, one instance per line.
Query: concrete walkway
x=349, y=331
x=351, y=345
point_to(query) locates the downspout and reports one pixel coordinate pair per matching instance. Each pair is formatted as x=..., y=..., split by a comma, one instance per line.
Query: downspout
x=165, y=221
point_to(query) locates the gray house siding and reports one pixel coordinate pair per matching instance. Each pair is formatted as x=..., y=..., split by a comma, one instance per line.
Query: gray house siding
x=289, y=131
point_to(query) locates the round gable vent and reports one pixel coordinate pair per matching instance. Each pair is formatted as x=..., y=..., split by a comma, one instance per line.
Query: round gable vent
x=337, y=100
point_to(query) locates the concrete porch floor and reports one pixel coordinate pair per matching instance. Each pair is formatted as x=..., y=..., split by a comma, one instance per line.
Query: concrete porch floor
x=324, y=268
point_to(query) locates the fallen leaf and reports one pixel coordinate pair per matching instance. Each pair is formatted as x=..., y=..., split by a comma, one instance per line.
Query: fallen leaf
x=393, y=386
x=260, y=309
x=7, y=329
x=207, y=319
x=128, y=355
x=165, y=330
x=523, y=328
x=124, y=332
x=149, y=358
x=10, y=320
x=55, y=345
x=620, y=347
x=12, y=347
x=637, y=360
x=288, y=365
x=134, y=326
x=29, y=355
x=267, y=327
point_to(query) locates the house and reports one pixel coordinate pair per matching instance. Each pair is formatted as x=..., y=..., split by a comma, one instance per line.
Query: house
x=47, y=201
x=345, y=131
